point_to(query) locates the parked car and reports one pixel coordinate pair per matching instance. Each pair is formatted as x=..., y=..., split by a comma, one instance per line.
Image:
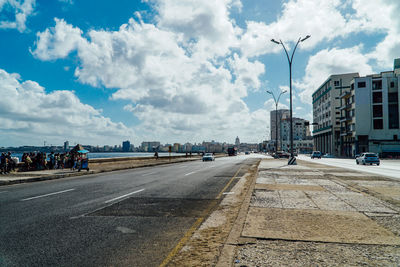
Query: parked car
x=316, y=154
x=328, y=156
x=368, y=158
x=281, y=154
x=208, y=157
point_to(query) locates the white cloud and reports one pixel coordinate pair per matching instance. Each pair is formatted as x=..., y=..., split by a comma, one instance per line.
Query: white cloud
x=328, y=62
x=177, y=82
x=190, y=71
x=58, y=42
x=30, y=115
x=20, y=9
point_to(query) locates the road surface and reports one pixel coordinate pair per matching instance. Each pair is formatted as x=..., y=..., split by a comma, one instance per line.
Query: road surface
x=131, y=218
x=390, y=168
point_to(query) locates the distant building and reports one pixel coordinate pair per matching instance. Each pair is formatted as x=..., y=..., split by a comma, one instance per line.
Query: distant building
x=176, y=147
x=126, y=146
x=150, y=146
x=237, y=141
x=277, y=116
x=301, y=129
x=66, y=146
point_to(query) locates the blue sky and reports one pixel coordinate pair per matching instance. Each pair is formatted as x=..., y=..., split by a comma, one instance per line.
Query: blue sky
x=100, y=72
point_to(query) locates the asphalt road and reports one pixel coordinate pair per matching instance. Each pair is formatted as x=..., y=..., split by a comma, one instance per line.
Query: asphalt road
x=124, y=218
x=389, y=168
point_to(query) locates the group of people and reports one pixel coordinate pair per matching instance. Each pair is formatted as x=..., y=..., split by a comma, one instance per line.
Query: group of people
x=7, y=163
x=42, y=161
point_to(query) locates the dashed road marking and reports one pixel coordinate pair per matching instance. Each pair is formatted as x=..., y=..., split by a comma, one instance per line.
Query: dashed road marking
x=46, y=195
x=110, y=200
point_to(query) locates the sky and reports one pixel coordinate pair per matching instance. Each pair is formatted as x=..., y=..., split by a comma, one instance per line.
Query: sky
x=101, y=72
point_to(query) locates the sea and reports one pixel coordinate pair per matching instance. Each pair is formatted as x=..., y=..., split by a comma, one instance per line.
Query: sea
x=104, y=155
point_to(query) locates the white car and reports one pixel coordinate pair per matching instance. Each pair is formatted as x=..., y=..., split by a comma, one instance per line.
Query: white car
x=208, y=157
x=368, y=158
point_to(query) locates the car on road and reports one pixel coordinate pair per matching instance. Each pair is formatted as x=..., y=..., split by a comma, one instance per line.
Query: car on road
x=328, y=156
x=281, y=154
x=316, y=154
x=368, y=158
x=208, y=157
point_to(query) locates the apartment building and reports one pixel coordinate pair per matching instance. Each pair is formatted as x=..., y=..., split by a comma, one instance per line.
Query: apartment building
x=370, y=115
x=301, y=129
x=326, y=112
x=277, y=116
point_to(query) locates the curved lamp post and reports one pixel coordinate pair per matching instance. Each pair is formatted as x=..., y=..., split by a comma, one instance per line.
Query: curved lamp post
x=276, y=116
x=290, y=60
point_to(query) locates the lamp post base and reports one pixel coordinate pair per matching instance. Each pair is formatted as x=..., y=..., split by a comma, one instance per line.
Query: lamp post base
x=292, y=161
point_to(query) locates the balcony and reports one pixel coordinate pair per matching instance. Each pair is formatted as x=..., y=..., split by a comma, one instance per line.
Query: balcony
x=345, y=94
x=346, y=106
x=344, y=119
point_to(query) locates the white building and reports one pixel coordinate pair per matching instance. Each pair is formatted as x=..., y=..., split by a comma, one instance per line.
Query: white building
x=326, y=113
x=370, y=114
x=277, y=116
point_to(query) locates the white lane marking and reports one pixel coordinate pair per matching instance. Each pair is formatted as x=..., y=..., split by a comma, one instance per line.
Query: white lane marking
x=46, y=195
x=124, y=195
x=228, y=193
x=150, y=173
x=190, y=173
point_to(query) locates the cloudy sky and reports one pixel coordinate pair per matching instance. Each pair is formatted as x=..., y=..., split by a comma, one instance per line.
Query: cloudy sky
x=100, y=72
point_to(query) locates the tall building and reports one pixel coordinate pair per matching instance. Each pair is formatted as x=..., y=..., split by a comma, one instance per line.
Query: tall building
x=301, y=129
x=326, y=112
x=126, y=146
x=370, y=115
x=280, y=114
x=66, y=145
x=150, y=146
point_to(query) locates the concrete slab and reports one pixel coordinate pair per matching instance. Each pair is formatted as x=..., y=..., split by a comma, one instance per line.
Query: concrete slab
x=316, y=225
x=365, y=203
x=266, y=199
x=392, y=192
x=289, y=187
x=265, y=180
x=272, y=163
x=296, y=199
x=328, y=201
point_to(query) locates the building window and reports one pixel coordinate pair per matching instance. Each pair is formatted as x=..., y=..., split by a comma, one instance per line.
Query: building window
x=336, y=83
x=377, y=85
x=393, y=97
x=393, y=116
x=377, y=97
x=391, y=84
x=378, y=124
x=377, y=111
x=361, y=85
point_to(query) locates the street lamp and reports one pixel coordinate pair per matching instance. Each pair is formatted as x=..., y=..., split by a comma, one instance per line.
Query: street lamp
x=276, y=116
x=292, y=160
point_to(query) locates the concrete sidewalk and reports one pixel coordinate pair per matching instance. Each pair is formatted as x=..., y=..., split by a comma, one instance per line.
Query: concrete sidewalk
x=313, y=214
x=97, y=167
x=305, y=215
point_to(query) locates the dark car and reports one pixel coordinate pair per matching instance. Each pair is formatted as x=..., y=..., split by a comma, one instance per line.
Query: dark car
x=368, y=158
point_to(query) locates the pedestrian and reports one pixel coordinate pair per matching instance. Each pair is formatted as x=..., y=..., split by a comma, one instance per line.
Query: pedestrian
x=3, y=163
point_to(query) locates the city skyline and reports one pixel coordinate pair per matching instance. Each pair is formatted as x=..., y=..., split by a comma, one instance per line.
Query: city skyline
x=176, y=71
